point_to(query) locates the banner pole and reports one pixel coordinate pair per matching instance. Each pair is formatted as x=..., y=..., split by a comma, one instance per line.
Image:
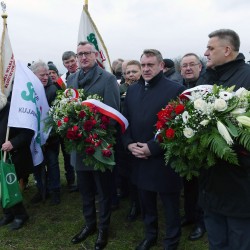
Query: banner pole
x=4, y=16
x=6, y=139
x=86, y=4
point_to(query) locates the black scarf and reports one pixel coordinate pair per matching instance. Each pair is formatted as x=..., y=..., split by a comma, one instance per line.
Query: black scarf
x=85, y=78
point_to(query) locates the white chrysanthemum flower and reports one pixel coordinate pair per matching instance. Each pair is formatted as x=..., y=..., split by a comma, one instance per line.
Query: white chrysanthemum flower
x=220, y=105
x=200, y=104
x=224, y=133
x=242, y=92
x=210, y=108
x=204, y=123
x=225, y=95
x=185, y=116
x=188, y=132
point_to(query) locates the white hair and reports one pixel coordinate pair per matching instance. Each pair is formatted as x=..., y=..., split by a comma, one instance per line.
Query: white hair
x=3, y=100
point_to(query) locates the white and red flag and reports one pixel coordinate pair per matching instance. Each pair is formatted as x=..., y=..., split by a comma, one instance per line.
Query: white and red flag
x=29, y=108
x=88, y=32
x=7, y=60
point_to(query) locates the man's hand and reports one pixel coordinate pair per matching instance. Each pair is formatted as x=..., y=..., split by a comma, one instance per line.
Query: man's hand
x=139, y=150
x=7, y=146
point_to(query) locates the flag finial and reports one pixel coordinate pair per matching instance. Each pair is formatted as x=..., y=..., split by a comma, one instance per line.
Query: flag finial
x=4, y=15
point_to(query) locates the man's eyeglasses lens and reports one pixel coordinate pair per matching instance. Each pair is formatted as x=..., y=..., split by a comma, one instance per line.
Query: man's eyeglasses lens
x=191, y=65
x=87, y=53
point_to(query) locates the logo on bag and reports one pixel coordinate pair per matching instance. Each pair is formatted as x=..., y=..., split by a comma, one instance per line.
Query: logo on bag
x=10, y=178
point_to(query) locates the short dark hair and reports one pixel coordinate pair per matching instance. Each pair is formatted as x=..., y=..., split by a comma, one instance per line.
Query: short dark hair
x=83, y=43
x=153, y=52
x=226, y=34
x=191, y=54
x=67, y=54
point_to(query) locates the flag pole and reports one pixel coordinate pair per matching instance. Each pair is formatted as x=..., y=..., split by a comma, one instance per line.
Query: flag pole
x=4, y=16
x=86, y=4
x=85, y=8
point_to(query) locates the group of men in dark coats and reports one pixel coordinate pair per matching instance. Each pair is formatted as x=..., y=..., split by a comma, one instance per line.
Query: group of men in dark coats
x=224, y=190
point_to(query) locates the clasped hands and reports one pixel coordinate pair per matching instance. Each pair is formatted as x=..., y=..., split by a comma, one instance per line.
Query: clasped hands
x=139, y=150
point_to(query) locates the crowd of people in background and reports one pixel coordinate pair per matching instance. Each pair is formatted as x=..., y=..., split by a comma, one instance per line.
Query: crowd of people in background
x=216, y=202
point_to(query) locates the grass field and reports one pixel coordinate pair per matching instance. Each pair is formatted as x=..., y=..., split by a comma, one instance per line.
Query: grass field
x=52, y=227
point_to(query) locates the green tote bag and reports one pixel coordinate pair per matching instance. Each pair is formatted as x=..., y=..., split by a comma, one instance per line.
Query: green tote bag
x=10, y=190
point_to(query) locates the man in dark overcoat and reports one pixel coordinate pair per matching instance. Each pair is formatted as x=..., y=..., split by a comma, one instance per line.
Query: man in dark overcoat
x=94, y=80
x=224, y=190
x=149, y=172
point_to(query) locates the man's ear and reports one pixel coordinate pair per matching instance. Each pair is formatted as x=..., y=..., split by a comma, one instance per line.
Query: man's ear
x=228, y=51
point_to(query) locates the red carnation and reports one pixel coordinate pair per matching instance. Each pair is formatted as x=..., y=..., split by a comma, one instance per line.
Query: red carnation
x=59, y=123
x=179, y=109
x=170, y=133
x=82, y=114
x=159, y=138
x=90, y=150
x=106, y=153
x=161, y=115
x=71, y=134
x=95, y=136
x=88, y=139
x=160, y=124
x=103, y=126
x=88, y=125
x=66, y=119
x=75, y=128
x=105, y=119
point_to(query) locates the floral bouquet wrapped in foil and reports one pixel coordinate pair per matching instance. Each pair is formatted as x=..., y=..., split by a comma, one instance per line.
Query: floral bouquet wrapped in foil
x=203, y=125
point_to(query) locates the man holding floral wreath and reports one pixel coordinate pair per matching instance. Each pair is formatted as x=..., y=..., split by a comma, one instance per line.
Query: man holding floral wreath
x=94, y=80
x=225, y=188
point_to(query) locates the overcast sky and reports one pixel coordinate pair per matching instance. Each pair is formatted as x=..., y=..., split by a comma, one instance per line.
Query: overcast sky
x=44, y=29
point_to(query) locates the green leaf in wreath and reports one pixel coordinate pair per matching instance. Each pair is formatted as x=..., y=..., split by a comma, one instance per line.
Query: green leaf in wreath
x=106, y=160
x=232, y=128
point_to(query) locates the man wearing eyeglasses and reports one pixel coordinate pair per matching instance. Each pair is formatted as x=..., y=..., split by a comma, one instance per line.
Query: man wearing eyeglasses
x=94, y=80
x=191, y=68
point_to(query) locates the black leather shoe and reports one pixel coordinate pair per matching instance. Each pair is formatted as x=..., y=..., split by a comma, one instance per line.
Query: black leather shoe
x=6, y=220
x=146, y=244
x=18, y=222
x=102, y=239
x=83, y=235
x=133, y=213
x=197, y=233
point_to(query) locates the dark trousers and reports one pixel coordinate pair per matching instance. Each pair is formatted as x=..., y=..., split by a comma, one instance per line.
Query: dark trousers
x=227, y=233
x=193, y=212
x=171, y=206
x=18, y=211
x=90, y=182
x=49, y=179
x=69, y=169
